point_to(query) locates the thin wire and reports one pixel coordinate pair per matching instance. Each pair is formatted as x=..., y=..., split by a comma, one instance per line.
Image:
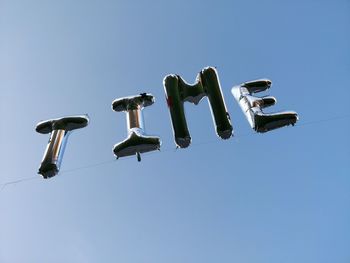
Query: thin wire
x=94, y=165
x=87, y=166
x=18, y=181
x=4, y=185
x=324, y=120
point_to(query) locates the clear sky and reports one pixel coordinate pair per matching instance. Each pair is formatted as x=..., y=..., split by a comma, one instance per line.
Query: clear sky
x=278, y=197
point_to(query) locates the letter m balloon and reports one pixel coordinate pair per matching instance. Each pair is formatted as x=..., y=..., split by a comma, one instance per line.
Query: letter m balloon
x=178, y=91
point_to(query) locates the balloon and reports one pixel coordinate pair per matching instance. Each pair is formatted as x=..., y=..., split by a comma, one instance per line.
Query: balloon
x=207, y=85
x=252, y=107
x=137, y=141
x=60, y=129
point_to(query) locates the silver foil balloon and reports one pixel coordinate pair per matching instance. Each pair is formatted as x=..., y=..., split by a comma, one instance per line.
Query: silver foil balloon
x=60, y=129
x=252, y=107
x=207, y=85
x=137, y=141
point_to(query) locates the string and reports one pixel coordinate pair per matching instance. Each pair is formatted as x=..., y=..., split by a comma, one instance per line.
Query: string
x=21, y=180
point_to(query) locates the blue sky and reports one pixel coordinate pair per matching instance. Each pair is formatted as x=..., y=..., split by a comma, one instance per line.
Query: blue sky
x=277, y=197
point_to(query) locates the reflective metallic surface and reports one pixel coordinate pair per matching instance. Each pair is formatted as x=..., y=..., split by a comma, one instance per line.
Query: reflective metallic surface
x=137, y=141
x=134, y=119
x=207, y=85
x=133, y=102
x=53, y=154
x=60, y=130
x=68, y=123
x=252, y=107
